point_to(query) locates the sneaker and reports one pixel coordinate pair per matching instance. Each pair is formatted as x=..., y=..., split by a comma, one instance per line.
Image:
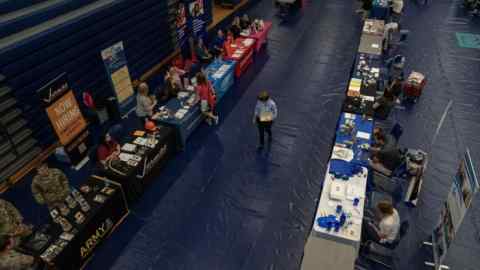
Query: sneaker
x=216, y=120
x=209, y=121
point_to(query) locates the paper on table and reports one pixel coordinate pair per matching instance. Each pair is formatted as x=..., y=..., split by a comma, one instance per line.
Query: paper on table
x=349, y=116
x=368, y=98
x=375, y=45
x=342, y=153
x=363, y=135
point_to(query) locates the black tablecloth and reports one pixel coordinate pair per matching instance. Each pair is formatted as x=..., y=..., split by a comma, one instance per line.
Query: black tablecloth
x=99, y=222
x=153, y=160
x=357, y=106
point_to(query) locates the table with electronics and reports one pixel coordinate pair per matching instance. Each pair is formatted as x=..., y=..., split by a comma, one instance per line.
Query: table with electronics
x=82, y=224
x=141, y=157
x=220, y=73
x=380, y=9
x=259, y=36
x=241, y=51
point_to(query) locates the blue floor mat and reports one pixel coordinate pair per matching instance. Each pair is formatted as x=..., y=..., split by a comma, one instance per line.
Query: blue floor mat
x=222, y=205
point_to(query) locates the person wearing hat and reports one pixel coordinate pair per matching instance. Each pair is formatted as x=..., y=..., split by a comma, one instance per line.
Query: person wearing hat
x=265, y=114
x=10, y=259
x=108, y=149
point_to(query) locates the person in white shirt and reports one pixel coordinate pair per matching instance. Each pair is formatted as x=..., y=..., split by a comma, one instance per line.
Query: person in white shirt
x=265, y=114
x=397, y=8
x=388, y=227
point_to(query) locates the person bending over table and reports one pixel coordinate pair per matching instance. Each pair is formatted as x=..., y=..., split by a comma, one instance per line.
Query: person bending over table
x=50, y=186
x=218, y=43
x=236, y=27
x=386, y=161
x=202, y=52
x=265, y=114
x=108, y=149
x=10, y=259
x=170, y=90
x=382, y=141
x=145, y=104
x=176, y=74
x=385, y=230
x=245, y=22
x=383, y=105
x=207, y=98
x=11, y=222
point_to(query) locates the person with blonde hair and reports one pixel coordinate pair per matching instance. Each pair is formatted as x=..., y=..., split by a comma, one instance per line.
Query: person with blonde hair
x=387, y=229
x=145, y=103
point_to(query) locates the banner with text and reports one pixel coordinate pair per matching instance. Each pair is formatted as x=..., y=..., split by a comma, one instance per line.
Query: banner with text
x=66, y=118
x=115, y=63
x=198, y=16
x=465, y=186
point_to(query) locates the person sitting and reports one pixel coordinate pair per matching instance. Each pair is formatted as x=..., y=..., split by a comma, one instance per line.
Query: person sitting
x=108, y=149
x=10, y=259
x=170, y=90
x=218, y=43
x=202, y=52
x=386, y=161
x=386, y=229
x=236, y=27
x=395, y=88
x=382, y=141
x=207, y=98
x=383, y=105
x=145, y=103
x=245, y=22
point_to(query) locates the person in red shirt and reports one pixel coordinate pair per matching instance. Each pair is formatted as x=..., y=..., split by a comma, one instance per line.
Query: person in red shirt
x=108, y=149
x=207, y=98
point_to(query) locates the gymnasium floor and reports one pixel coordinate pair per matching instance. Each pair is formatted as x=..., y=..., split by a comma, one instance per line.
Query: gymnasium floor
x=222, y=205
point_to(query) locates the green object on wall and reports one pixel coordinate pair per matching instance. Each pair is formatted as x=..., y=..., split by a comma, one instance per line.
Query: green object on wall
x=467, y=40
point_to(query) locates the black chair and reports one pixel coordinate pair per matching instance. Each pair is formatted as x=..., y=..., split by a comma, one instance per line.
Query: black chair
x=383, y=254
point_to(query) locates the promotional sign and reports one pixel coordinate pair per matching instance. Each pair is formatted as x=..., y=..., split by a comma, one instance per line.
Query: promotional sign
x=115, y=63
x=197, y=15
x=181, y=24
x=66, y=118
x=464, y=187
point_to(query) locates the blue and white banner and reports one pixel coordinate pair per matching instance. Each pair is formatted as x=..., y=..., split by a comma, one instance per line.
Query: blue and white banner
x=465, y=186
x=198, y=17
x=115, y=63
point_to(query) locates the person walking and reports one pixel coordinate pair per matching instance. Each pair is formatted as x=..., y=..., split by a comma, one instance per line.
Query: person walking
x=265, y=114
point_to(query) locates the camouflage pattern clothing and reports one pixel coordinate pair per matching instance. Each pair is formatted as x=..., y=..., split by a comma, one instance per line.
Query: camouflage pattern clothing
x=10, y=218
x=13, y=260
x=51, y=189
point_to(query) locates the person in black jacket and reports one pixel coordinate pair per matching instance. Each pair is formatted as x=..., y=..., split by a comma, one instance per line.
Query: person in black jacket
x=365, y=9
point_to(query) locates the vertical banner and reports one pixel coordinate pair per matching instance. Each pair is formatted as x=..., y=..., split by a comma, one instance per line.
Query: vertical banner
x=116, y=66
x=198, y=17
x=464, y=187
x=66, y=118
x=181, y=24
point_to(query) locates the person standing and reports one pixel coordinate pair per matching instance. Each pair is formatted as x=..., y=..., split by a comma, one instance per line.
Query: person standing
x=207, y=98
x=145, y=104
x=265, y=114
x=50, y=186
x=11, y=222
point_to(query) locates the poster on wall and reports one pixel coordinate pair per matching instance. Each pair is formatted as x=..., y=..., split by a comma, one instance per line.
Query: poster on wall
x=66, y=118
x=181, y=24
x=115, y=63
x=197, y=15
x=464, y=187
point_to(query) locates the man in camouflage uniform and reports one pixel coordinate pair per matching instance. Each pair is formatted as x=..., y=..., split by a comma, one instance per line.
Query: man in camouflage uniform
x=11, y=259
x=50, y=186
x=11, y=222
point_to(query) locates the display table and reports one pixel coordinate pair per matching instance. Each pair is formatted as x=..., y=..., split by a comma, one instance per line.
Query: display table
x=221, y=74
x=371, y=44
x=73, y=250
x=240, y=51
x=260, y=36
x=182, y=113
x=331, y=248
x=152, y=157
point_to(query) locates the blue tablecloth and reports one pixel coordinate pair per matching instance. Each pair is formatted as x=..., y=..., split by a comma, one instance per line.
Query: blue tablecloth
x=185, y=126
x=360, y=157
x=226, y=81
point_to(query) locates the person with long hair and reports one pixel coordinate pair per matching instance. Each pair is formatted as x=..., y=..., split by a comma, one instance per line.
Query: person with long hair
x=108, y=149
x=207, y=98
x=387, y=227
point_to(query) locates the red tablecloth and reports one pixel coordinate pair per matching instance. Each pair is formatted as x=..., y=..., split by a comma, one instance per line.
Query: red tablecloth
x=261, y=36
x=240, y=52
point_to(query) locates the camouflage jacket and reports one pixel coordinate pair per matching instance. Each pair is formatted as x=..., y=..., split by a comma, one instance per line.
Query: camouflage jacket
x=10, y=218
x=50, y=189
x=13, y=260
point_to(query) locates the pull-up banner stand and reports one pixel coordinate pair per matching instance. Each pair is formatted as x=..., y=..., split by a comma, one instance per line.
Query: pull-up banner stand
x=66, y=118
x=464, y=187
x=115, y=63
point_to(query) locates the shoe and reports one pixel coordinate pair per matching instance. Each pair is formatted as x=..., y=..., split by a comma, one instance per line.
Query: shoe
x=216, y=120
x=209, y=121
